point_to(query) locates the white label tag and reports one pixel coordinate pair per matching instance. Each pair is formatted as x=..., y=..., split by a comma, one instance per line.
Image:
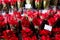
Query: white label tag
x=22, y=15
x=44, y=11
x=28, y=6
x=48, y=27
x=11, y=12
x=3, y=13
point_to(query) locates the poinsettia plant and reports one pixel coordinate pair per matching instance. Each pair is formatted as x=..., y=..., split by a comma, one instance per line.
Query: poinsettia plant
x=38, y=4
x=9, y=35
x=46, y=3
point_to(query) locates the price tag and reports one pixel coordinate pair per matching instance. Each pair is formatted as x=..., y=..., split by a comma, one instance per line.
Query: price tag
x=22, y=15
x=28, y=6
x=3, y=13
x=10, y=12
x=44, y=11
x=48, y=27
